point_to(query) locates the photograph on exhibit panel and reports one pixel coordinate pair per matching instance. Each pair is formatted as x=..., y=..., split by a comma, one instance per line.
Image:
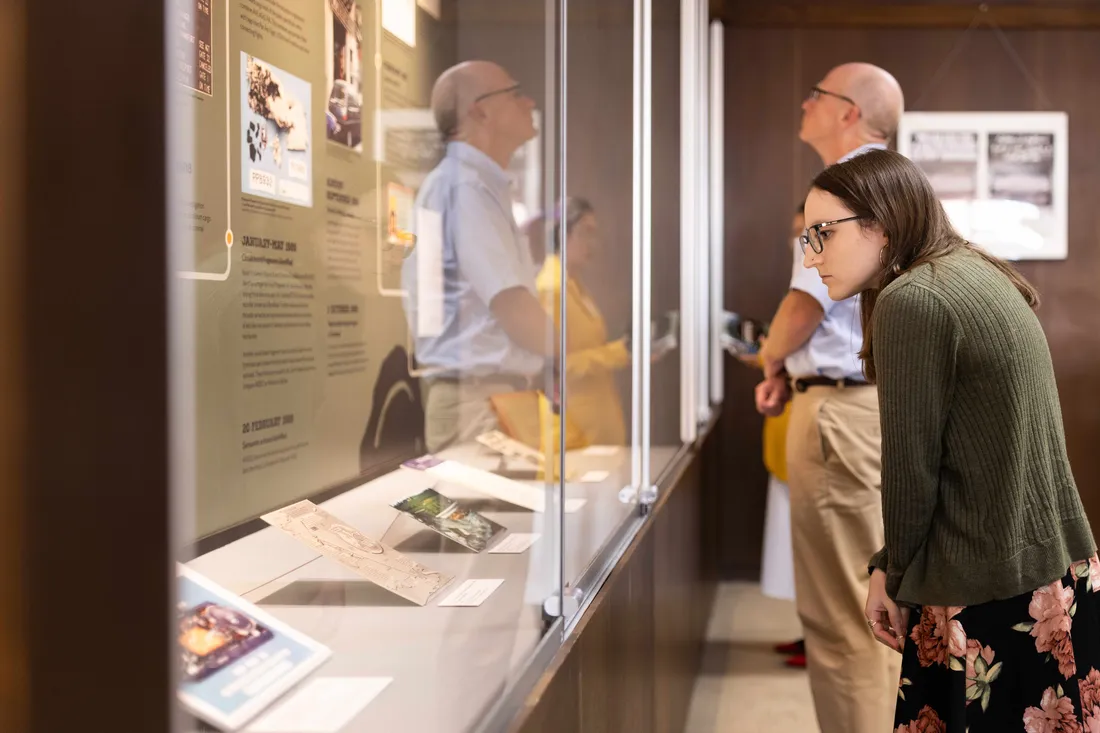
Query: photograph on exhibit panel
x=343, y=51
x=949, y=158
x=276, y=149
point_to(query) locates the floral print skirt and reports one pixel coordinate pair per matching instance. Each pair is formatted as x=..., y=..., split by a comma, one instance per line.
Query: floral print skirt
x=1027, y=664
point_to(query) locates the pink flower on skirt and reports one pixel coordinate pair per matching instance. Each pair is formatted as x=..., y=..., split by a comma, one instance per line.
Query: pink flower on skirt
x=1087, y=569
x=928, y=721
x=1054, y=716
x=1063, y=652
x=956, y=639
x=1050, y=608
x=974, y=649
x=938, y=635
x=1089, y=686
x=1092, y=720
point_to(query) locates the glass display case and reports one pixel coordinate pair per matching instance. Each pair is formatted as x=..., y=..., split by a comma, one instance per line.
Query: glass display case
x=427, y=349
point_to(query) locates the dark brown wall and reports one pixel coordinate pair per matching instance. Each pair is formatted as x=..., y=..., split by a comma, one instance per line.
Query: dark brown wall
x=768, y=71
x=91, y=350
x=13, y=650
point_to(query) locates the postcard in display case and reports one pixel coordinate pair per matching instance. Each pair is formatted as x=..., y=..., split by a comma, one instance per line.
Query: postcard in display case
x=234, y=658
x=450, y=519
x=378, y=563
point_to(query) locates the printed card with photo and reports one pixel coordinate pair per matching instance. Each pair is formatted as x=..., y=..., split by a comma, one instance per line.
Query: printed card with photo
x=234, y=658
x=450, y=519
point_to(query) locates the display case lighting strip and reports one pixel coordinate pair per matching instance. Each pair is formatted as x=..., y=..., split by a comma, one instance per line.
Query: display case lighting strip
x=717, y=217
x=688, y=213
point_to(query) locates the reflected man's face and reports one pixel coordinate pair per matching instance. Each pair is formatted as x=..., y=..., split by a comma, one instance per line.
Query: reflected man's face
x=508, y=111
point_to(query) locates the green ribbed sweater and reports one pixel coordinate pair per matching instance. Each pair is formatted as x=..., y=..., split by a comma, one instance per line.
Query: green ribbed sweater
x=979, y=502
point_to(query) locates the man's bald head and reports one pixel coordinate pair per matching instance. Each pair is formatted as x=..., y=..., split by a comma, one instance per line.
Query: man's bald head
x=458, y=87
x=875, y=91
x=854, y=105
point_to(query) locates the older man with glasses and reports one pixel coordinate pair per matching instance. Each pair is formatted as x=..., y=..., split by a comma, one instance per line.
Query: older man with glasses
x=833, y=440
x=478, y=327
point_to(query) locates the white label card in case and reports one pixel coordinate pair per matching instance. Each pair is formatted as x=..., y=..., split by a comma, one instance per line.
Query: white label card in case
x=574, y=505
x=323, y=705
x=514, y=544
x=472, y=593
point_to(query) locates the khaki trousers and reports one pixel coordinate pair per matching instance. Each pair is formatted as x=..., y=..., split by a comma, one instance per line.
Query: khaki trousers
x=834, y=458
x=459, y=411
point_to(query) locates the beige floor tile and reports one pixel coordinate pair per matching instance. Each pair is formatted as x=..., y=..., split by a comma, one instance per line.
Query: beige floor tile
x=743, y=686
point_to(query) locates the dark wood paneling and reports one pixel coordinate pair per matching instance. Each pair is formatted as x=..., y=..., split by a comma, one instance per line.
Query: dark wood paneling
x=13, y=650
x=615, y=656
x=631, y=663
x=764, y=182
x=893, y=14
x=94, y=348
x=681, y=600
x=767, y=170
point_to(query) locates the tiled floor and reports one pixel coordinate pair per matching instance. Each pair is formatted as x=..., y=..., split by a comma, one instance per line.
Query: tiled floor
x=743, y=686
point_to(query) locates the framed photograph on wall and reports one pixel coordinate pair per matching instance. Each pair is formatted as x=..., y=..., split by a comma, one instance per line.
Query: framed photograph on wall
x=1003, y=177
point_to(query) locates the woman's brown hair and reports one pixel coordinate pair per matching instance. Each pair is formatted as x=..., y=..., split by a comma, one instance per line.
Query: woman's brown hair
x=887, y=190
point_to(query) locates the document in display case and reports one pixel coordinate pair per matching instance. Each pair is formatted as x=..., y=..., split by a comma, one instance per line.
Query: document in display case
x=378, y=563
x=234, y=658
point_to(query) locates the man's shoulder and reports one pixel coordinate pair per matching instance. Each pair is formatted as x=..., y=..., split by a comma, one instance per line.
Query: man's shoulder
x=447, y=177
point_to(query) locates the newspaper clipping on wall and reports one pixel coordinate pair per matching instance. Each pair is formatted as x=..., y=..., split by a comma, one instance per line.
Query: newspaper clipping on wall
x=1002, y=176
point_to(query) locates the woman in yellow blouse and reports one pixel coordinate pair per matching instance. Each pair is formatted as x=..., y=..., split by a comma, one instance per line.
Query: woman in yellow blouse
x=594, y=408
x=777, y=563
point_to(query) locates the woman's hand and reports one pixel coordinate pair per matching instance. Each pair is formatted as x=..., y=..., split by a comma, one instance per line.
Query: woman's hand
x=887, y=620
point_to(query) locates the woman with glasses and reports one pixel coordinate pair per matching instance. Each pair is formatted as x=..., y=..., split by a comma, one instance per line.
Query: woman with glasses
x=987, y=579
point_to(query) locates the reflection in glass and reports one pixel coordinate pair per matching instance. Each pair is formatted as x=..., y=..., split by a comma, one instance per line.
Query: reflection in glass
x=469, y=283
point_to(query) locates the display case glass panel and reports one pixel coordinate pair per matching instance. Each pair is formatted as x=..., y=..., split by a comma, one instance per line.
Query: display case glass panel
x=427, y=344
x=590, y=281
x=667, y=380
x=362, y=367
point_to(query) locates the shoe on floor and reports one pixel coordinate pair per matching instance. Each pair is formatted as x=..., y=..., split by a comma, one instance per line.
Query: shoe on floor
x=794, y=647
x=798, y=661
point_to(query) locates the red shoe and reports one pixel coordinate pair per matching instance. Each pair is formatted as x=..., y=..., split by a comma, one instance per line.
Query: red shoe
x=794, y=647
x=798, y=661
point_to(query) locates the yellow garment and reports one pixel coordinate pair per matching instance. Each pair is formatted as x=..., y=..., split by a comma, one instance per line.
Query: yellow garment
x=775, y=444
x=592, y=400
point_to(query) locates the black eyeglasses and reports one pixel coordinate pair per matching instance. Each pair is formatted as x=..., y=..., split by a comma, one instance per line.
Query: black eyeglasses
x=515, y=90
x=812, y=236
x=818, y=92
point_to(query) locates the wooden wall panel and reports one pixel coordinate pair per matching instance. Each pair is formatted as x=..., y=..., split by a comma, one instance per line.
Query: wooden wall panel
x=767, y=171
x=13, y=651
x=94, y=268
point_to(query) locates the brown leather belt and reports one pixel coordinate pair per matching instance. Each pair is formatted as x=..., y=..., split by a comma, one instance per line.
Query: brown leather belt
x=803, y=383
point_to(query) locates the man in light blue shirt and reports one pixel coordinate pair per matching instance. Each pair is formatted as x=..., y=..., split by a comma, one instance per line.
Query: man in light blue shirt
x=469, y=284
x=833, y=438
